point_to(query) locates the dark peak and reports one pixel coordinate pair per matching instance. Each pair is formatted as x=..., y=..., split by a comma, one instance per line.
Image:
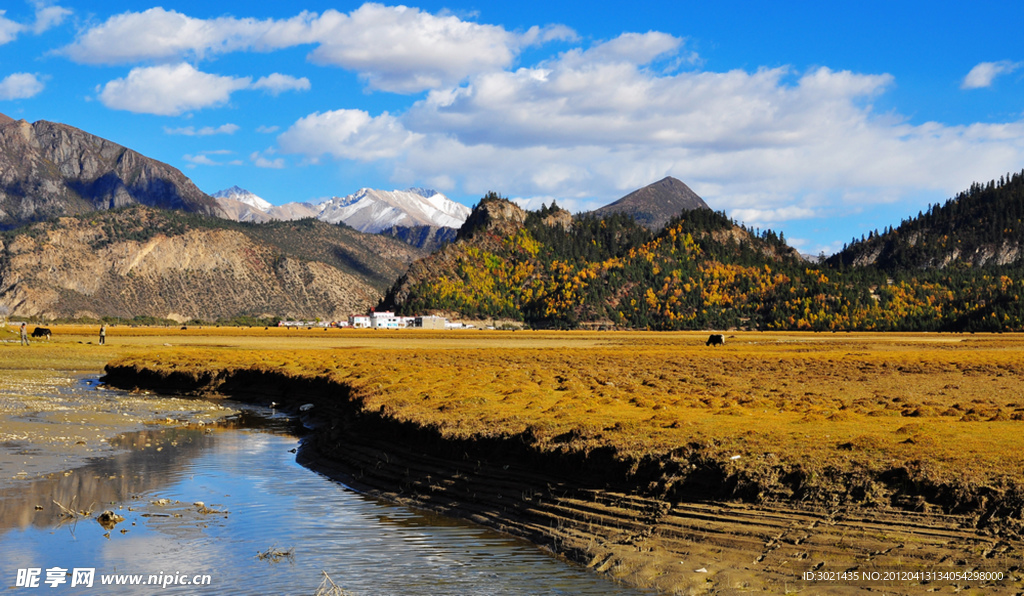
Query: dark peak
x=668, y=182
x=655, y=204
x=5, y=120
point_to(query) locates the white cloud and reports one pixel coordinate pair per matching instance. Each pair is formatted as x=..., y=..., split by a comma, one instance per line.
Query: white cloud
x=265, y=160
x=267, y=129
x=773, y=145
x=397, y=49
x=984, y=73
x=277, y=83
x=9, y=30
x=200, y=160
x=165, y=35
x=586, y=126
x=203, y=159
x=406, y=50
x=347, y=134
x=541, y=35
x=48, y=17
x=631, y=48
x=191, y=131
x=762, y=217
x=21, y=85
x=599, y=97
x=169, y=90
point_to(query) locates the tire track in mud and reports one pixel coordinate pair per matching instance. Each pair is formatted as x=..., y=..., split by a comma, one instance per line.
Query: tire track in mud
x=683, y=547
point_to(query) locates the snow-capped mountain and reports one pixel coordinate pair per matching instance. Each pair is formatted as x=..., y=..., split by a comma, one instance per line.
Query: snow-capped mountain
x=368, y=210
x=374, y=210
x=243, y=196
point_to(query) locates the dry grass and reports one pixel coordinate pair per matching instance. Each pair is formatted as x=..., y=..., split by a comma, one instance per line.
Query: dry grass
x=947, y=406
x=327, y=587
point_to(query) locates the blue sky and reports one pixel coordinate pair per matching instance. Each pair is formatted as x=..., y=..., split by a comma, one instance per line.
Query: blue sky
x=822, y=120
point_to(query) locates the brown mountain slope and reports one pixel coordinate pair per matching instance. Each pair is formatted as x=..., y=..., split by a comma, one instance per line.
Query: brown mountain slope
x=49, y=169
x=655, y=204
x=141, y=261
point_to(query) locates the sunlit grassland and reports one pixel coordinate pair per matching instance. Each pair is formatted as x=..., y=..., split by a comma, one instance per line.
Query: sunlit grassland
x=948, y=408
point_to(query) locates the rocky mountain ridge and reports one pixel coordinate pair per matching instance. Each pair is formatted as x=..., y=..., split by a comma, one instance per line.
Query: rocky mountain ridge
x=49, y=169
x=423, y=218
x=141, y=261
x=245, y=197
x=367, y=210
x=371, y=211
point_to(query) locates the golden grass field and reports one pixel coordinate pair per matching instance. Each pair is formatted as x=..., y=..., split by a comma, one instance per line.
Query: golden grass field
x=949, y=408
x=835, y=411
x=951, y=405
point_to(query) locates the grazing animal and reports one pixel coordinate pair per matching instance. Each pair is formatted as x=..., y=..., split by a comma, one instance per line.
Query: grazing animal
x=41, y=332
x=716, y=339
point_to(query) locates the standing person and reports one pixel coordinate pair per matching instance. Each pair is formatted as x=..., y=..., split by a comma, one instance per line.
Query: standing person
x=24, y=335
x=103, y=334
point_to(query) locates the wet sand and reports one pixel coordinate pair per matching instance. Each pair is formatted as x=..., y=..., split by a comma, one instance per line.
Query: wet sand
x=48, y=424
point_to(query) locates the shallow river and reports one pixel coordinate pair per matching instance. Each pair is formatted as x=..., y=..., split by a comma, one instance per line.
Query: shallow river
x=231, y=504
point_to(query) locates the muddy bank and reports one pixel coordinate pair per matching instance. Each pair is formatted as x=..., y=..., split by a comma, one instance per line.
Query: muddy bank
x=680, y=523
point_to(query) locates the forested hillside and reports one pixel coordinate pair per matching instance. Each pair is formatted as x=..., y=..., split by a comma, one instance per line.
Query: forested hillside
x=702, y=271
x=981, y=226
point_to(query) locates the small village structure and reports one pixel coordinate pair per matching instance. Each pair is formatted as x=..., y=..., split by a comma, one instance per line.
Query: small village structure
x=359, y=321
x=431, y=322
x=389, y=320
x=380, y=320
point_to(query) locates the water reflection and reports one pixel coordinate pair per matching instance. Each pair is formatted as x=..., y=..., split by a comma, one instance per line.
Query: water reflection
x=197, y=501
x=145, y=461
x=147, y=466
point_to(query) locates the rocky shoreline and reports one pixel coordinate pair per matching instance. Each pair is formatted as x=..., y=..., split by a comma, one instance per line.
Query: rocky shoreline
x=610, y=515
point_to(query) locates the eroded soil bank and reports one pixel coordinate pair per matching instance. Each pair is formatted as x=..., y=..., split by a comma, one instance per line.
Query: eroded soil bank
x=681, y=523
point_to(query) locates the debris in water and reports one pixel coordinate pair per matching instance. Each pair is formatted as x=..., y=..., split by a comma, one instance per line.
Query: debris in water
x=329, y=588
x=108, y=519
x=202, y=508
x=69, y=512
x=274, y=554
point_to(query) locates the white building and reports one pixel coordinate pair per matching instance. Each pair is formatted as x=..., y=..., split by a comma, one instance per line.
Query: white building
x=386, y=320
x=359, y=321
